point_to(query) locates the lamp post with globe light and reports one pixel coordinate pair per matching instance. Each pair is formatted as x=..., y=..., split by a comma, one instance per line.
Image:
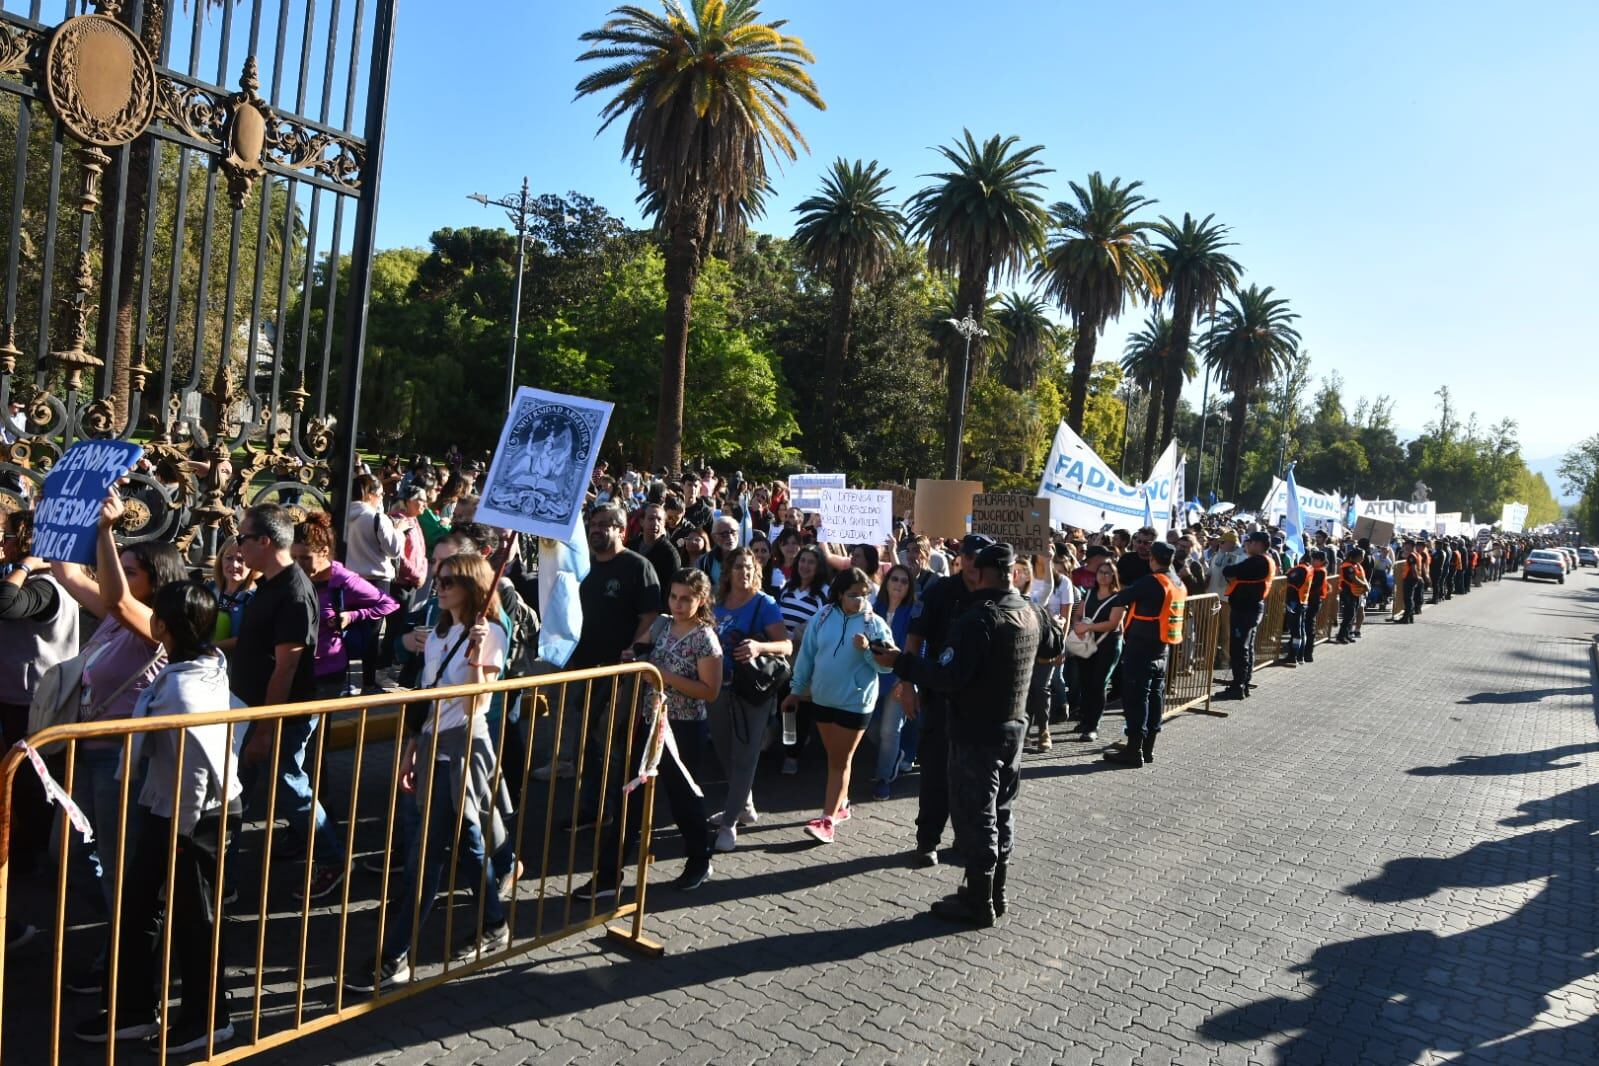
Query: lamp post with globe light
x=518, y=207
x=968, y=328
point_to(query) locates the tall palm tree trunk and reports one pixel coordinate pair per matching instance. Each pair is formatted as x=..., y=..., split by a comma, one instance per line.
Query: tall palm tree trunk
x=1151, y=427
x=1239, y=410
x=1182, y=329
x=1082, y=367
x=838, y=331
x=961, y=356
x=686, y=236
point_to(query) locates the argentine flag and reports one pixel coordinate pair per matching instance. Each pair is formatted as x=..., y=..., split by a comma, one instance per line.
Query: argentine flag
x=1294, y=522
x=746, y=528
x=1149, y=509
x=560, y=608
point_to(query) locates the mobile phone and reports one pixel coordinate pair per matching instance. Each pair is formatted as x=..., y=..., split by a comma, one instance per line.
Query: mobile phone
x=881, y=645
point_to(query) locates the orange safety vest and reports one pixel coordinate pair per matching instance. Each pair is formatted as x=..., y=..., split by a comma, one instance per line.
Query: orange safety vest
x=1169, y=622
x=1264, y=582
x=1318, y=579
x=1298, y=585
x=1456, y=556
x=1474, y=558
x=1354, y=575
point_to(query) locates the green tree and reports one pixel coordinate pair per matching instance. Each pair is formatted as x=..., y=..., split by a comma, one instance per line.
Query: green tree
x=846, y=233
x=1098, y=260
x=1023, y=329
x=1106, y=413
x=706, y=94
x=1195, y=273
x=982, y=220
x=1251, y=342
x=1145, y=359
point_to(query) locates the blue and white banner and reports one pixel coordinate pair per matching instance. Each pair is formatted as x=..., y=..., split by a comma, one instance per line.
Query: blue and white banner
x=1408, y=516
x=66, y=524
x=1084, y=491
x=805, y=490
x=1315, y=508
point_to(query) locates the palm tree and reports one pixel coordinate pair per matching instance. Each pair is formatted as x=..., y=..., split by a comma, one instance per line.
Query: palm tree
x=982, y=221
x=1098, y=260
x=1144, y=361
x=848, y=232
x=1251, y=341
x=1022, y=325
x=705, y=91
x=1195, y=273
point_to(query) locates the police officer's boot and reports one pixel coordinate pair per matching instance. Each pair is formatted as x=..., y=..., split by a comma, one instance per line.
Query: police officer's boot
x=1129, y=754
x=999, y=891
x=1149, y=747
x=972, y=903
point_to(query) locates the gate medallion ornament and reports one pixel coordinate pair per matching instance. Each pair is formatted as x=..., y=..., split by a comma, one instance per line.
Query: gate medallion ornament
x=100, y=80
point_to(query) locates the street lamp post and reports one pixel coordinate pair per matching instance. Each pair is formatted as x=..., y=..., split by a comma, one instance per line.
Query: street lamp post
x=1221, y=444
x=518, y=208
x=1204, y=418
x=968, y=328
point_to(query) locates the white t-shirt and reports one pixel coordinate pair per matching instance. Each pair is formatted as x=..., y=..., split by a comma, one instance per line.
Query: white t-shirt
x=1062, y=599
x=452, y=713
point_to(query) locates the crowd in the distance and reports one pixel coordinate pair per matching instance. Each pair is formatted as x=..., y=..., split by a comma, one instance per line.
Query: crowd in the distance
x=763, y=634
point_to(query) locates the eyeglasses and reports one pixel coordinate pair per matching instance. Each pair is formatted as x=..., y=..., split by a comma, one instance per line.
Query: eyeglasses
x=446, y=581
x=727, y=532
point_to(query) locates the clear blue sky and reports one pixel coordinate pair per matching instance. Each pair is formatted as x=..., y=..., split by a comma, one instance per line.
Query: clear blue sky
x=1417, y=178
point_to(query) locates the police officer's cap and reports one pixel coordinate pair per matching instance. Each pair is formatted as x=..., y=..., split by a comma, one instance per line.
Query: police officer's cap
x=974, y=543
x=1163, y=552
x=1259, y=536
x=995, y=557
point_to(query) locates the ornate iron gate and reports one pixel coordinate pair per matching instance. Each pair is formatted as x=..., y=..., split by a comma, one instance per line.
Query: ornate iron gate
x=185, y=265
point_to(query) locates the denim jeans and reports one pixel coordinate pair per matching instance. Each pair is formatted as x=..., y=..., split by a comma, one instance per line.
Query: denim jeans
x=1294, y=630
x=429, y=870
x=98, y=793
x=294, y=787
x=888, y=719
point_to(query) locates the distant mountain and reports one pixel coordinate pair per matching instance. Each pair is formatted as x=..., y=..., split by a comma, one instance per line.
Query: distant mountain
x=1550, y=469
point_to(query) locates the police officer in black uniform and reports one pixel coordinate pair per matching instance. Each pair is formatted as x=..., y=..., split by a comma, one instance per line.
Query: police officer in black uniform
x=931, y=619
x=1154, y=622
x=1249, y=583
x=984, y=670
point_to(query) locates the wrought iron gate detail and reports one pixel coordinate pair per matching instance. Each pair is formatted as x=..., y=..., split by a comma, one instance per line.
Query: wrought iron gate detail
x=175, y=269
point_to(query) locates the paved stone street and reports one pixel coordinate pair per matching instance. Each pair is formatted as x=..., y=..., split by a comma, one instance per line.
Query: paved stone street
x=1386, y=857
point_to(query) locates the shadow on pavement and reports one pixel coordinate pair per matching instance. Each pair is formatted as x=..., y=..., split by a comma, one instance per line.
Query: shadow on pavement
x=1531, y=695
x=1510, y=762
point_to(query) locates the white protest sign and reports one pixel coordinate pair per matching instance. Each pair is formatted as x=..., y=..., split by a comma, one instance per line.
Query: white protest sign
x=1513, y=518
x=542, y=466
x=1317, y=508
x=1406, y=515
x=1084, y=491
x=805, y=490
x=856, y=516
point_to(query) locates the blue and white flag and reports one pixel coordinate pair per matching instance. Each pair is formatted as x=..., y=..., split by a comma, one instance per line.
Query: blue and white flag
x=1353, y=513
x=560, y=608
x=1149, y=508
x=1294, y=522
x=746, y=528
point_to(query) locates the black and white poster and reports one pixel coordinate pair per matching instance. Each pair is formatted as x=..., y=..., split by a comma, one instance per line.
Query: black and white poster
x=542, y=466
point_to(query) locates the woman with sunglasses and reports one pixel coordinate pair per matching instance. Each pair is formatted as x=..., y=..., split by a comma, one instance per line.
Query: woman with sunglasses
x=346, y=603
x=1100, y=617
x=836, y=679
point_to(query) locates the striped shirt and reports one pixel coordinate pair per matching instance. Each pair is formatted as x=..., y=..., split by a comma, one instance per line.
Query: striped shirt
x=799, y=606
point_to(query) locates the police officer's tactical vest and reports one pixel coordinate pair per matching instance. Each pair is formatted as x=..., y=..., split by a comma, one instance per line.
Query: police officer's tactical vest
x=1263, y=582
x=1169, y=622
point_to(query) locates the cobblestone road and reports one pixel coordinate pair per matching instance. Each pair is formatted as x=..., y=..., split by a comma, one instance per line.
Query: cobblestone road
x=1387, y=857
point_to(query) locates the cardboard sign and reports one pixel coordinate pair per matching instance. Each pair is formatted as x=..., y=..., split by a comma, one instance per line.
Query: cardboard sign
x=1377, y=530
x=66, y=524
x=857, y=516
x=1013, y=518
x=540, y=473
x=944, y=507
x=805, y=490
x=904, y=498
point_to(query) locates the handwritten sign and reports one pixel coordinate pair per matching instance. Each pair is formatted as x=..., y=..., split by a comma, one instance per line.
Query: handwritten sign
x=904, y=498
x=857, y=516
x=66, y=524
x=805, y=490
x=1013, y=518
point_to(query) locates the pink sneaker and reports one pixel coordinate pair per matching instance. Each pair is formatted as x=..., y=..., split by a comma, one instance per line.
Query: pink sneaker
x=843, y=814
x=821, y=829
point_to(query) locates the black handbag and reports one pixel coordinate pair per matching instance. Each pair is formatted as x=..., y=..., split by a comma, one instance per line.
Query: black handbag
x=761, y=677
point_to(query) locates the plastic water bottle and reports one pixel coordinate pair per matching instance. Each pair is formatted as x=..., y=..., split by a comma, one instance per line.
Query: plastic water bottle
x=790, y=726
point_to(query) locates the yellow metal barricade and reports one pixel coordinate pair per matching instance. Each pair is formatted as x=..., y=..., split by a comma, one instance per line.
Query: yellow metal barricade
x=286, y=967
x=1327, y=613
x=1191, y=666
x=1269, y=637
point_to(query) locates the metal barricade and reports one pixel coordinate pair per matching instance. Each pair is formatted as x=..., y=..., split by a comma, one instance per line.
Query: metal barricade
x=1191, y=666
x=1269, y=637
x=1327, y=612
x=285, y=971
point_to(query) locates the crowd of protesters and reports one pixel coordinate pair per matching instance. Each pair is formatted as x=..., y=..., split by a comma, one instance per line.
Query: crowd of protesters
x=768, y=641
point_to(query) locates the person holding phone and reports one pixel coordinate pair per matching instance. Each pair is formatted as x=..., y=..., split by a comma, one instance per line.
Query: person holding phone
x=835, y=678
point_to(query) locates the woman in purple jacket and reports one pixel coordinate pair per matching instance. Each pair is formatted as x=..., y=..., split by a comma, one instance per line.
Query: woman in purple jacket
x=344, y=597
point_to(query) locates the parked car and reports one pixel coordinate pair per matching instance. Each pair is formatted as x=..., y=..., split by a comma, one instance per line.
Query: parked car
x=1572, y=562
x=1545, y=562
x=1588, y=556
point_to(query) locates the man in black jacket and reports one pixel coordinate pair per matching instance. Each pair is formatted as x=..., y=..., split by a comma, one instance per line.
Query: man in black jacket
x=985, y=670
x=1248, y=585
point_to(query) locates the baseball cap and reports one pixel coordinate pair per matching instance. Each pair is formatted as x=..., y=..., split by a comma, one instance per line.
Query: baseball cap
x=1163, y=552
x=994, y=556
x=974, y=543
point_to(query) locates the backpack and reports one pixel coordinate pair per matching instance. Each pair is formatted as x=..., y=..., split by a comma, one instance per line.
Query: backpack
x=411, y=568
x=759, y=679
x=522, y=646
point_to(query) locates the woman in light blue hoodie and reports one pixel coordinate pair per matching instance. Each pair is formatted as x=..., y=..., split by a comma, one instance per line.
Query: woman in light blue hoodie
x=835, y=679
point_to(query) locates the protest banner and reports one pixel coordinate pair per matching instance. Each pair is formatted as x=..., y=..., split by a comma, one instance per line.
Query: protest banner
x=542, y=466
x=1084, y=491
x=1406, y=515
x=1513, y=517
x=1013, y=518
x=1446, y=524
x=944, y=507
x=805, y=490
x=1378, y=531
x=66, y=522
x=1318, y=509
x=904, y=498
x=856, y=516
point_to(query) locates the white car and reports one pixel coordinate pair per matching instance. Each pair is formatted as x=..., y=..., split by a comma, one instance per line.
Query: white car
x=1572, y=562
x=1545, y=562
x=1588, y=556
